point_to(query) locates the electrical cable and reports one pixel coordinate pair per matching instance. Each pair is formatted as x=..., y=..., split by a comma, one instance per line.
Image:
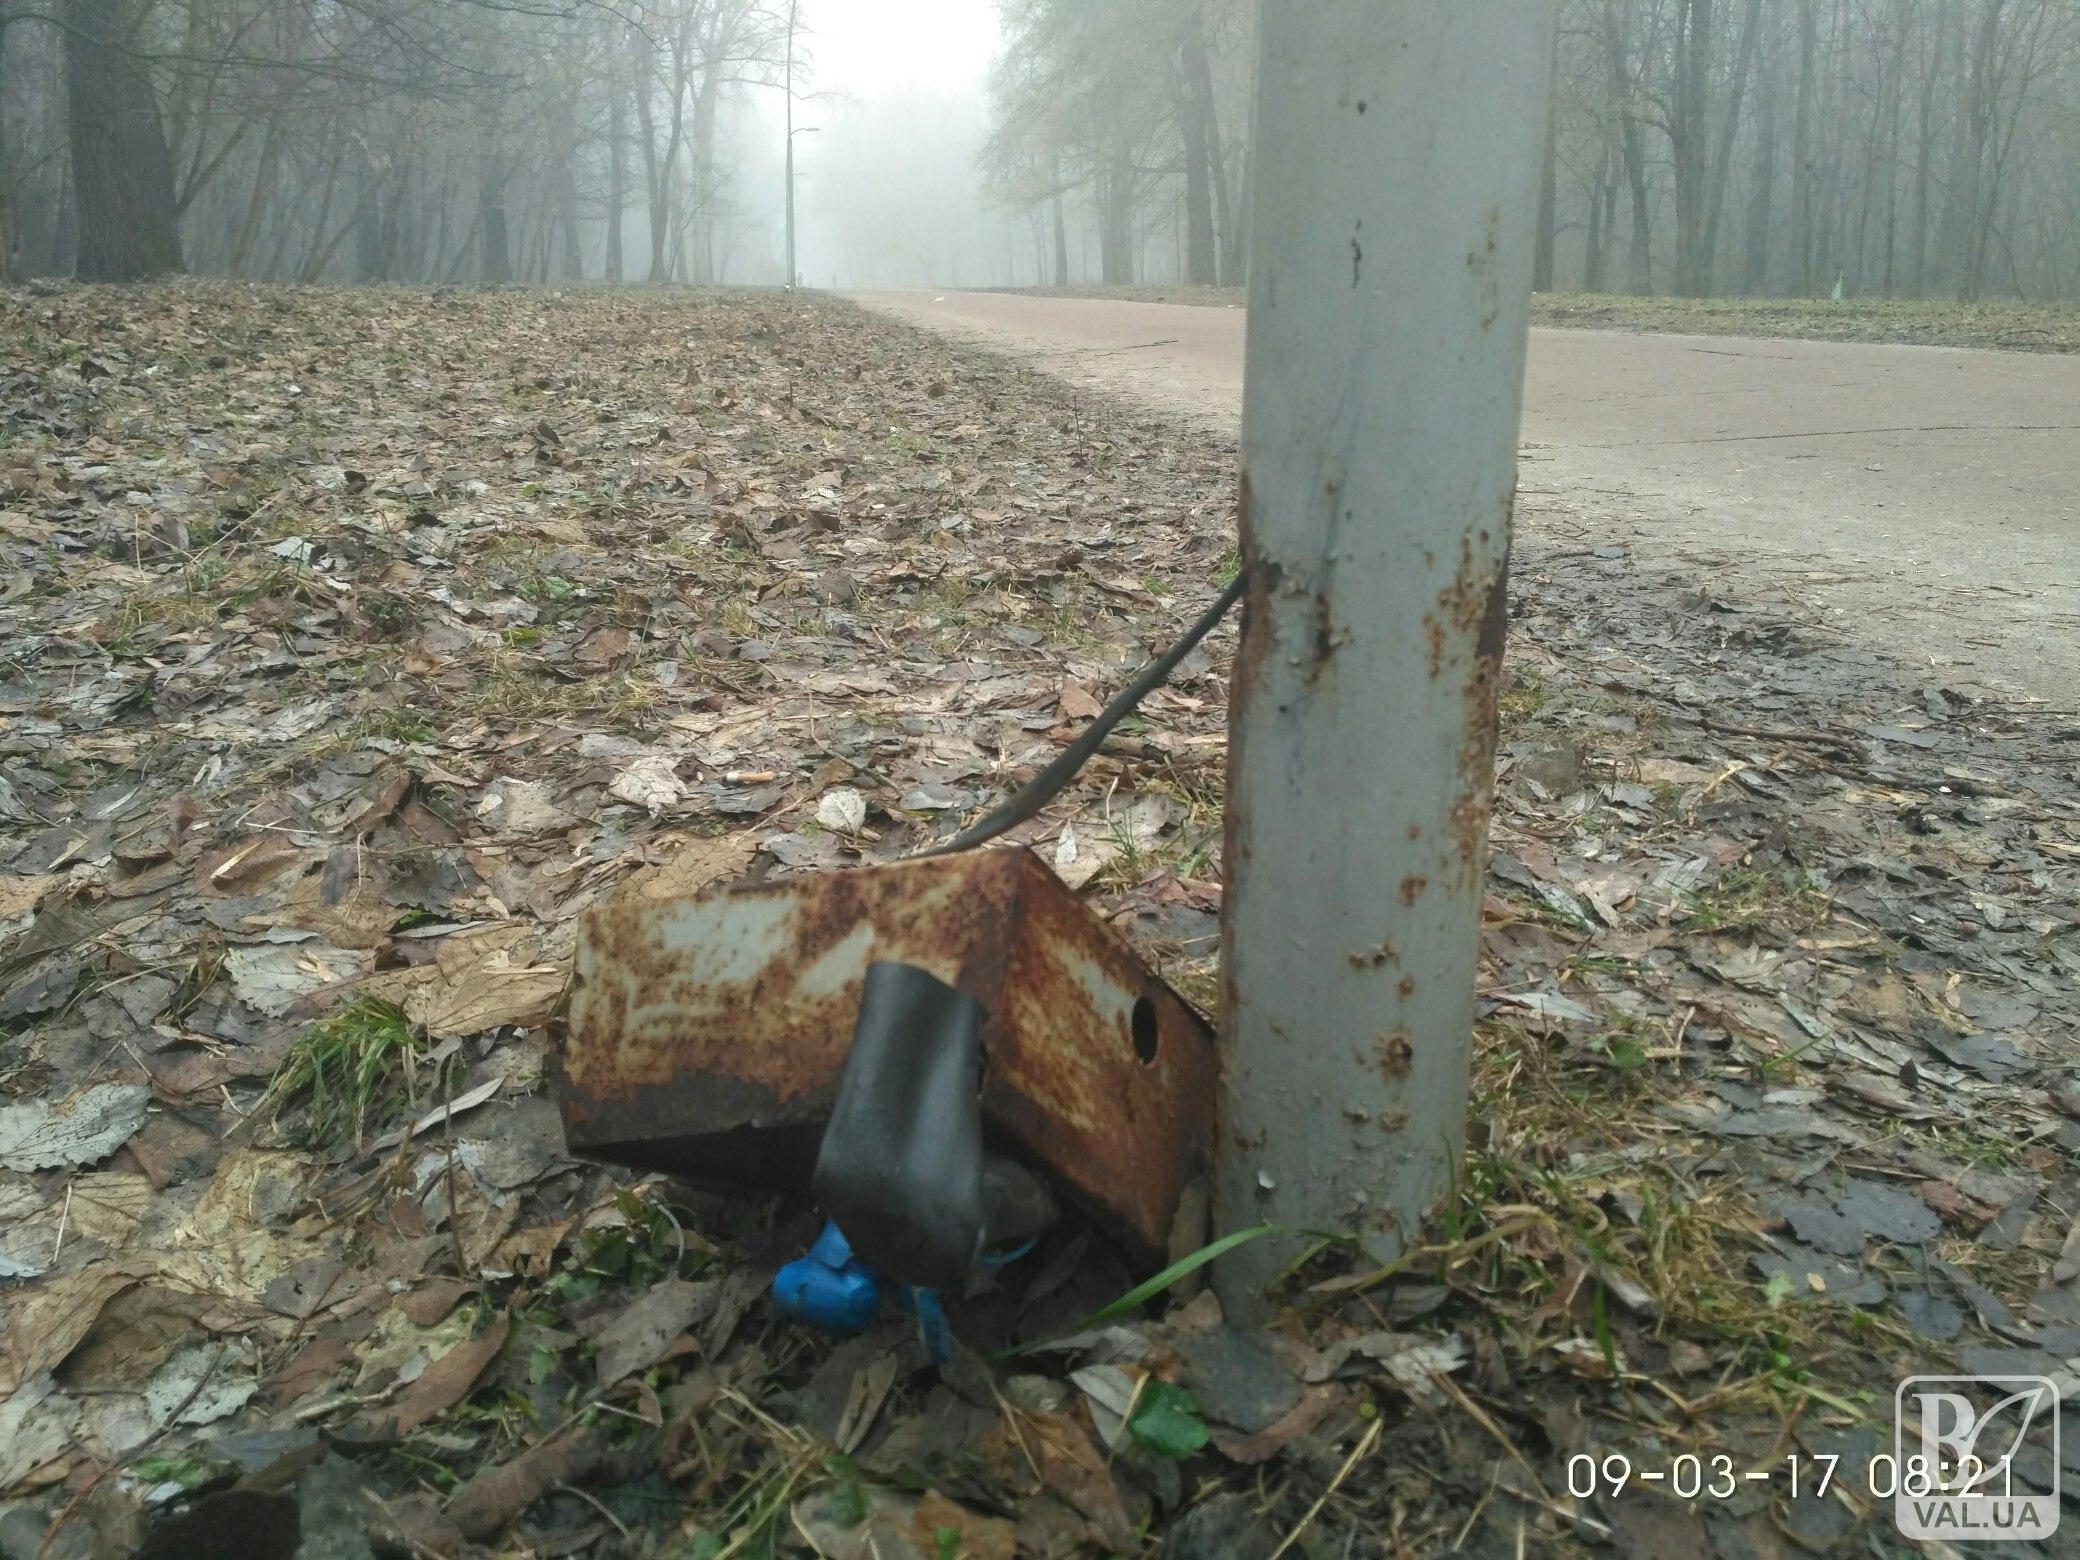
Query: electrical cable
x=1037, y=792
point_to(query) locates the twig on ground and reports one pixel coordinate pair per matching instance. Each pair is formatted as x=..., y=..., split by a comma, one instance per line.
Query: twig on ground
x=1366, y=1443
x=1840, y=744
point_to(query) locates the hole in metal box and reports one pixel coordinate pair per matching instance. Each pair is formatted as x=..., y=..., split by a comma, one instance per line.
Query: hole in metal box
x=1144, y=1027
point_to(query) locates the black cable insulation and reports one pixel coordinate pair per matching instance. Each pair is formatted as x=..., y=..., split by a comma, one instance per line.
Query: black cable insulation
x=1036, y=793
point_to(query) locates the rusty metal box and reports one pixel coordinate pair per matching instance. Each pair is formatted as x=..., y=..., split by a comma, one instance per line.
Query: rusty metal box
x=707, y=1033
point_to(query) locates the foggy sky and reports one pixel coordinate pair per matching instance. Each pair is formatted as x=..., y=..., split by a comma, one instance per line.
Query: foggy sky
x=887, y=190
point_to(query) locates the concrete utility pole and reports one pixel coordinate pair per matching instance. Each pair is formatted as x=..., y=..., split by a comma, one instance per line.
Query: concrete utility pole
x=1398, y=145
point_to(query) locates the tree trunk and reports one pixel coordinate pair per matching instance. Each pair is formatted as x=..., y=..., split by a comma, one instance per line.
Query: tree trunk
x=704, y=181
x=10, y=218
x=1061, y=243
x=1603, y=196
x=660, y=233
x=430, y=231
x=1832, y=238
x=452, y=271
x=1934, y=57
x=679, y=271
x=617, y=176
x=494, y=253
x=1631, y=140
x=321, y=256
x=1116, y=250
x=368, y=239
x=64, y=222
x=1687, y=149
x=1763, y=181
x=1224, y=216
x=1235, y=265
x=287, y=229
x=1802, y=148
x=1961, y=224
x=544, y=231
x=1195, y=121
x=389, y=230
x=403, y=233
x=1640, y=267
x=1892, y=141
x=656, y=170
x=1722, y=152
x=368, y=227
x=121, y=168
x=570, y=249
x=1867, y=195
x=1548, y=191
x=2019, y=62
x=256, y=202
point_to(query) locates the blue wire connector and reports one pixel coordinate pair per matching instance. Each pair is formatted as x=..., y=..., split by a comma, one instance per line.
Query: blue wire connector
x=830, y=1287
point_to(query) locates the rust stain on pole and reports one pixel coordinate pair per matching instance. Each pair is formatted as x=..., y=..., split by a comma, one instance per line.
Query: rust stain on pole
x=1379, y=449
x=1477, y=607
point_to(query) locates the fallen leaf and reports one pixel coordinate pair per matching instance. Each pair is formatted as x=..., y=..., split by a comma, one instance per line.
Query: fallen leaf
x=520, y=807
x=638, y=1338
x=438, y=1388
x=692, y=863
x=47, y=1324
x=493, y=1498
x=37, y=1135
x=488, y=997
x=199, y=1385
x=1316, y=1404
x=1077, y=703
x=36, y=1426
x=21, y=895
x=434, y=1301
x=651, y=782
x=275, y=979
x=1585, y=1357
x=842, y=809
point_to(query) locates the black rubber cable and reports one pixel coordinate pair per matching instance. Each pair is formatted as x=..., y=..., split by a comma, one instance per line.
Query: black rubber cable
x=1036, y=793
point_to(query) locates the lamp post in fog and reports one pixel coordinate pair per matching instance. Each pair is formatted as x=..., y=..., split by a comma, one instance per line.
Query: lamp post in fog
x=791, y=134
x=793, y=12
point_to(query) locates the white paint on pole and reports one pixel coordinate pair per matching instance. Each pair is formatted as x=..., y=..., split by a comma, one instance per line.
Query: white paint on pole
x=1398, y=145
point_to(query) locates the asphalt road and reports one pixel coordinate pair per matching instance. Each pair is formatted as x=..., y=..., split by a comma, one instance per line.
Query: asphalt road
x=1921, y=501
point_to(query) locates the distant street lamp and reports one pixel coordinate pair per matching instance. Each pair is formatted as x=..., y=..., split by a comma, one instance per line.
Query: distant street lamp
x=793, y=10
x=791, y=134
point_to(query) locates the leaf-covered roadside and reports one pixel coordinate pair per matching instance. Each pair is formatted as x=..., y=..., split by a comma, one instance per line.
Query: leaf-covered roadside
x=356, y=641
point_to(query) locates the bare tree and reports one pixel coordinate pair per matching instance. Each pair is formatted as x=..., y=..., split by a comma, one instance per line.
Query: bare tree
x=122, y=170
x=1866, y=147
x=1120, y=110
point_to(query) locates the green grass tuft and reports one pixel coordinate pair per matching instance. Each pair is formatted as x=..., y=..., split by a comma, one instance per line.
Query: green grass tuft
x=353, y=1067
